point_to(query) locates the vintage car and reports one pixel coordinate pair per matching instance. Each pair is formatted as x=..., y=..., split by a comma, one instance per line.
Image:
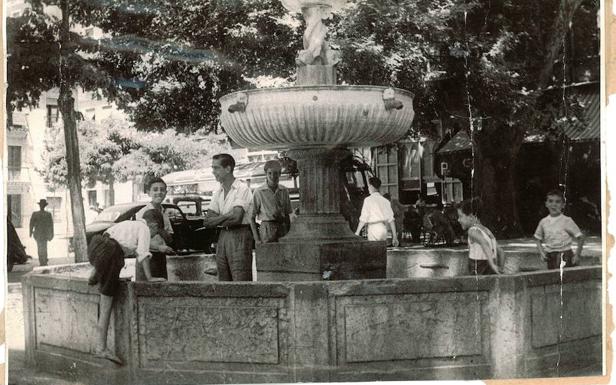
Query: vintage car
x=188, y=232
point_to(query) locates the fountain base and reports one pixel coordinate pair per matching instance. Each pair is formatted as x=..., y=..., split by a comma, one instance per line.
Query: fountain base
x=318, y=259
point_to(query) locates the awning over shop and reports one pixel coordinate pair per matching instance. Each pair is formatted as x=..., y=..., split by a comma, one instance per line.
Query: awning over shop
x=589, y=127
x=460, y=142
x=586, y=128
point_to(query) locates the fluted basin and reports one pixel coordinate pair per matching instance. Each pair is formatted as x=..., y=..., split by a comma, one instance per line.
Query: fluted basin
x=316, y=116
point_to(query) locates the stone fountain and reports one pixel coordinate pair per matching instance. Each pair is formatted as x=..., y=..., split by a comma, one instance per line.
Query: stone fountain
x=192, y=331
x=316, y=121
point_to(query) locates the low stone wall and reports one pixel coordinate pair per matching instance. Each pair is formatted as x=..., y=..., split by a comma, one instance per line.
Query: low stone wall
x=192, y=267
x=392, y=329
x=452, y=262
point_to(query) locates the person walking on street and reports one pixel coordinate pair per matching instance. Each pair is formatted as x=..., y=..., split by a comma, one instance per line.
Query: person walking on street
x=376, y=212
x=230, y=210
x=271, y=205
x=41, y=227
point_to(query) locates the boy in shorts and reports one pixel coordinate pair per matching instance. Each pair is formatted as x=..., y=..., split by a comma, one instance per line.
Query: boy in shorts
x=106, y=252
x=556, y=232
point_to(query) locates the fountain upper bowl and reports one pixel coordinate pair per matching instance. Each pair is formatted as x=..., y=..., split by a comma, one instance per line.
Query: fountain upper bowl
x=316, y=116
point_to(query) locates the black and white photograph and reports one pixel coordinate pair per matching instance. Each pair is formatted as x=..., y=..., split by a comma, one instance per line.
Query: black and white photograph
x=306, y=191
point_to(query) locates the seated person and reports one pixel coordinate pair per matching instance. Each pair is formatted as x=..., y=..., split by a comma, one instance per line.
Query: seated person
x=441, y=226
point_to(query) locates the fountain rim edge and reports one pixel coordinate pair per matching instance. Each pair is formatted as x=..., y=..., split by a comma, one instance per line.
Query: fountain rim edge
x=317, y=88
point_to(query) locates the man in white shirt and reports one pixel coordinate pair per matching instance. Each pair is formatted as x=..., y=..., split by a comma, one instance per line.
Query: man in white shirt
x=230, y=211
x=106, y=253
x=376, y=212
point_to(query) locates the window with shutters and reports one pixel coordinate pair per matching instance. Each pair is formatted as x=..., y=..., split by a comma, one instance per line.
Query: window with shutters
x=387, y=170
x=14, y=162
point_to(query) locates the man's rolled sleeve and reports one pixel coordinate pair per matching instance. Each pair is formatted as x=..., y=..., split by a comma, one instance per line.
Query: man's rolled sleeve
x=143, y=244
x=214, y=202
x=256, y=204
x=243, y=199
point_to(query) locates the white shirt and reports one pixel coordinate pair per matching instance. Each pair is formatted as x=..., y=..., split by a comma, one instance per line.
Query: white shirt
x=376, y=209
x=239, y=195
x=557, y=232
x=133, y=236
x=166, y=221
x=475, y=251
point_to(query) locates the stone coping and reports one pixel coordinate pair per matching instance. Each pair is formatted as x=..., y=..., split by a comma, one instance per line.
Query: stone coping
x=542, y=277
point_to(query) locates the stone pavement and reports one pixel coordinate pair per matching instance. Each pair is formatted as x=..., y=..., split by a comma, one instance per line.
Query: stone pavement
x=20, y=375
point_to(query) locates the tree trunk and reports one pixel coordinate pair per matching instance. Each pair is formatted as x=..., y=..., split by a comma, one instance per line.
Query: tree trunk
x=110, y=182
x=496, y=149
x=66, y=104
x=566, y=10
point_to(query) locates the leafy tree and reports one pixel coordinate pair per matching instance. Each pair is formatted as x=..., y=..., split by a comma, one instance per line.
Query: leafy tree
x=488, y=65
x=481, y=63
x=113, y=150
x=101, y=145
x=507, y=65
x=181, y=57
x=158, y=154
x=43, y=53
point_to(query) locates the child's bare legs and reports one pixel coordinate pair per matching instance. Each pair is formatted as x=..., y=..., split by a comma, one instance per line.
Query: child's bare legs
x=102, y=327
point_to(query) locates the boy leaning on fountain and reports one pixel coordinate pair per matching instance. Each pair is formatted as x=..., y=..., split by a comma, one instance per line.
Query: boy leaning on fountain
x=106, y=253
x=485, y=257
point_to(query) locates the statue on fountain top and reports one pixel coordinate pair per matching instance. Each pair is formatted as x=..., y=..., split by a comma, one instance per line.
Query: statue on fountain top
x=316, y=49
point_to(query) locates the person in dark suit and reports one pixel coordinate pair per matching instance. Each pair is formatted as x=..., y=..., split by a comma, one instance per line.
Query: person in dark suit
x=41, y=227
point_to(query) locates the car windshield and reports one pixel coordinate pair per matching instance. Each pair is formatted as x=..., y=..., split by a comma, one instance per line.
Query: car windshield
x=189, y=208
x=110, y=214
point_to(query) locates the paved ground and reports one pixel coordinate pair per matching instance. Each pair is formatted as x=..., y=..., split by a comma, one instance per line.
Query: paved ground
x=20, y=375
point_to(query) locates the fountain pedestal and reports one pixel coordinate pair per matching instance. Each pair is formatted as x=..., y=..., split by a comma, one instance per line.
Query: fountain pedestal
x=316, y=120
x=320, y=244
